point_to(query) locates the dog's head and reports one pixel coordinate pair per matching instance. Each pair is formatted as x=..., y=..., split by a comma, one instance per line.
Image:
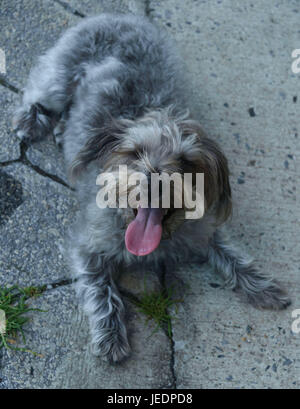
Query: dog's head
x=159, y=143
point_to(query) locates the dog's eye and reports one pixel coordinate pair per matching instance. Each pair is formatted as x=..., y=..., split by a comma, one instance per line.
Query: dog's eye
x=186, y=164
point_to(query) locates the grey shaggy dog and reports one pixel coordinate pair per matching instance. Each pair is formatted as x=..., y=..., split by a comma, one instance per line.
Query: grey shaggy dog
x=112, y=91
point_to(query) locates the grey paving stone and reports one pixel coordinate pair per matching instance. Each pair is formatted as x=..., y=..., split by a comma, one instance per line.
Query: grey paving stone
x=242, y=89
x=221, y=342
x=27, y=29
x=49, y=157
x=93, y=7
x=61, y=336
x=9, y=144
x=34, y=229
x=11, y=196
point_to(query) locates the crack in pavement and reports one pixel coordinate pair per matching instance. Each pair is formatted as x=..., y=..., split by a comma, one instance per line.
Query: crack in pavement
x=60, y=283
x=75, y=12
x=134, y=299
x=25, y=161
x=172, y=361
x=23, y=147
x=162, y=280
x=7, y=84
x=70, y=9
x=148, y=9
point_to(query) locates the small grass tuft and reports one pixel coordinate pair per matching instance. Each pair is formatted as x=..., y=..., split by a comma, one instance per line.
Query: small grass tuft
x=33, y=291
x=155, y=305
x=13, y=306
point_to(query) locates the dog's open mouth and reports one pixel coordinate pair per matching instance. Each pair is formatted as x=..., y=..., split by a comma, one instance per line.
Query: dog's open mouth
x=144, y=233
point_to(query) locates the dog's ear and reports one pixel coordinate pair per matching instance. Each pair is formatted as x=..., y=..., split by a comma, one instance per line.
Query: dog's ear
x=97, y=148
x=209, y=159
x=216, y=178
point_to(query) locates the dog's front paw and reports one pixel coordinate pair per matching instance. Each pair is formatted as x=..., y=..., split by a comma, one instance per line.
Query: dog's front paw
x=110, y=346
x=31, y=123
x=272, y=297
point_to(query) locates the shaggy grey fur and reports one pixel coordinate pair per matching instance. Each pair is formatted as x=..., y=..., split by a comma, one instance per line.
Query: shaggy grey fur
x=116, y=84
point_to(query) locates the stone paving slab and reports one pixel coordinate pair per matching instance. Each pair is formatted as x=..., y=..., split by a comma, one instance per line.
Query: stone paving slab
x=61, y=336
x=9, y=145
x=28, y=29
x=94, y=7
x=30, y=239
x=221, y=342
x=46, y=155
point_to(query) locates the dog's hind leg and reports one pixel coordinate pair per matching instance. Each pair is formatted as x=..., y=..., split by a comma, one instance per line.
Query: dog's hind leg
x=102, y=304
x=241, y=274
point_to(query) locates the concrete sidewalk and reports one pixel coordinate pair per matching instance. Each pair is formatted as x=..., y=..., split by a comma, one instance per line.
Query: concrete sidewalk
x=243, y=91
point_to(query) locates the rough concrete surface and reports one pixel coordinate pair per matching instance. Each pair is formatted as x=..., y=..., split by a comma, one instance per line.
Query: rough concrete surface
x=9, y=143
x=60, y=337
x=243, y=91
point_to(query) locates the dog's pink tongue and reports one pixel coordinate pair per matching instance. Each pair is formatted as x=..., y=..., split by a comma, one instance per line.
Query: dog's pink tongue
x=144, y=233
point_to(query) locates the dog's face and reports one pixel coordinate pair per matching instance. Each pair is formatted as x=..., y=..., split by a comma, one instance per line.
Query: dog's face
x=158, y=144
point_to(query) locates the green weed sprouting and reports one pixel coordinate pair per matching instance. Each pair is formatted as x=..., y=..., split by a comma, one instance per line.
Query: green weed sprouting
x=155, y=305
x=12, y=309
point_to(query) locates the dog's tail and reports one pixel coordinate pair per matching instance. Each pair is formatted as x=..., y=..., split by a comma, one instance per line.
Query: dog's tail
x=241, y=274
